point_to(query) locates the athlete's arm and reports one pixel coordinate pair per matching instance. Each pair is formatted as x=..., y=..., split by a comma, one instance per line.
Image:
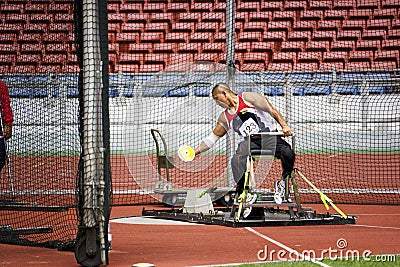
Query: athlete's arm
x=219, y=131
x=261, y=102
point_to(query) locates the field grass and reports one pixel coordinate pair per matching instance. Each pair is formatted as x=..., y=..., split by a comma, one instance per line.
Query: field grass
x=374, y=261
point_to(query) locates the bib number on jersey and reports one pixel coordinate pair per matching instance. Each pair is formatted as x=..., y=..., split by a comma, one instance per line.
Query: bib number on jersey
x=249, y=127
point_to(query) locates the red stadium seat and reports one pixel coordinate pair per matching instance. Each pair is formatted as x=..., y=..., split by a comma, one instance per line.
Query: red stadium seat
x=387, y=65
x=271, y=5
x=318, y=46
x=360, y=14
x=392, y=44
x=59, y=28
x=32, y=49
x=201, y=7
x=162, y=17
x=12, y=8
x=154, y=8
x=181, y=58
x=303, y=36
x=127, y=37
x=335, y=15
x=32, y=38
x=311, y=15
x=151, y=68
x=137, y=17
x=213, y=57
x=70, y=69
x=363, y=65
x=189, y=17
x=7, y=59
x=309, y=57
x=331, y=65
x=5, y=68
x=126, y=58
x=115, y=18
x=252, y=66
x=220, y=7
x=368, y=4
x=304, y=26
x=279, y=26
x=295, y=5
x=177, y=37
x=284, y=16
x=280, y=66
x=293, y=46
x=162, y=27
x=178, y=7
x=284, y=57
x=264, y=47
x=390, y=4
x=320, y=5
x=396, y=24
x=305, y=66
x=353, y=25
x=374, y=35
x=248, y=7
x=361, y=56
x=344, y=4
x=213, y=48
x=201, y=37
x=207, y=27
x=152, y=37
x=156, y=59
x=53, y=59
x=52, y=48
x=129, y=27
x=8, y=38
x=349, y=35
x=60, y=8
x=263, y=16
x=220, y=37
x=343, y=46
x=165, y=48
x=48, y=69
x=378, y=24
x=390, y=55
x=213, y=17
x=329, y=25
x=35, y=8
x=368, y=45
x=255, y=26
x=243, y=47
x=190, y=48
x=335, y=56
x=394, y=34
x=250, y=36
x=324, y=36
x=42, y=18
x=28, y=59
x=24, y=68
x=279, y=36
x=390, y=13
x=113, y=8
x=255, y=58
x=141, y=48
x=183, y=27
x=16, y=18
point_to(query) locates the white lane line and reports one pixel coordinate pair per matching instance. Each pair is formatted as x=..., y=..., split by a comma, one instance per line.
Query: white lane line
x=375, y=226
x=290, y=250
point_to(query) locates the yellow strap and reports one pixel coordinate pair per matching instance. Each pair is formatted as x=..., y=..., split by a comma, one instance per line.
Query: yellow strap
x=326, y=200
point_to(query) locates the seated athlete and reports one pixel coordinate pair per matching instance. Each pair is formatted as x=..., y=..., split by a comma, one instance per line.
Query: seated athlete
x=248, y=113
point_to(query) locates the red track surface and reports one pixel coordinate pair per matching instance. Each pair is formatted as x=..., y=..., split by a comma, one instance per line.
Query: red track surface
x=377, y=230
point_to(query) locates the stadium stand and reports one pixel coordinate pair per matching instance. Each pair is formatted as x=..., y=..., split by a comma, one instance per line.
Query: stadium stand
x=196, y=28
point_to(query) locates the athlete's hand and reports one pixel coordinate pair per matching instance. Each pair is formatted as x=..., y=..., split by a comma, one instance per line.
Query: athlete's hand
x=287, y=131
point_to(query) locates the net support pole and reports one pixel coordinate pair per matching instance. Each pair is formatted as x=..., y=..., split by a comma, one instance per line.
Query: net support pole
x=230, y=66
x=93, y=149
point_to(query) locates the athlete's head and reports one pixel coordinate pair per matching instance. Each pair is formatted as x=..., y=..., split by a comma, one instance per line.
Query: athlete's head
x=222, y=94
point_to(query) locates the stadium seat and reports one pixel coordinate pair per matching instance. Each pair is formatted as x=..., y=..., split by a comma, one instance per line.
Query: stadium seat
x=347, y=85
x=309, y=57
x=331, y=65
x=320, y=5
x=151, y=37
x=392, y=44
x=305, y=66
x=162, y=59
x=248, y=7
x=271, y=6
x=126, y=27
x=368, y=45
x=162, y=27
x=177, y=37
x=349, y=35
x=394, y=34
x=328, y=25
x=295, y=5
x=274, y=36
x=342, y=46
x=311, y=15
x=181, y=58
x=151, y=68
x=178, y=7
x=317, y=46
x=131, y=58
x=359, y=65
x=344, y=4
x=375, y=83
x=284, y=57
x=293, y=46
x=255, y=58
x=126, y=37
x=137, y=17
x=335, y=56
x=164, y=48
x=252, y=66
x=279, y=26
x=279, y=66
x=388, y=55
x=140, y=48
x=335, y=15
x=250, y=36
x=255, y=26
x=385, y=65
x=324, y=36
x=378, y=24
x=59, y=8
x=154, y=8
x=263, y=16
x=213, y=57
x=395, y=24
x=243, y=47
x=360, y=14
x=302, y=36
x=390, y=4
x=211, y=27
x=127, y=67
x=201, y=7
x=353, y=25
x=374, y=35
x=368, y=4
x=304, y=26
x=189, y=17
x=201, y=37
x=361, y=56
x=190, y=48
x=390, y=13
x=264, y=47
x=289, y=16
x=213, y=17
